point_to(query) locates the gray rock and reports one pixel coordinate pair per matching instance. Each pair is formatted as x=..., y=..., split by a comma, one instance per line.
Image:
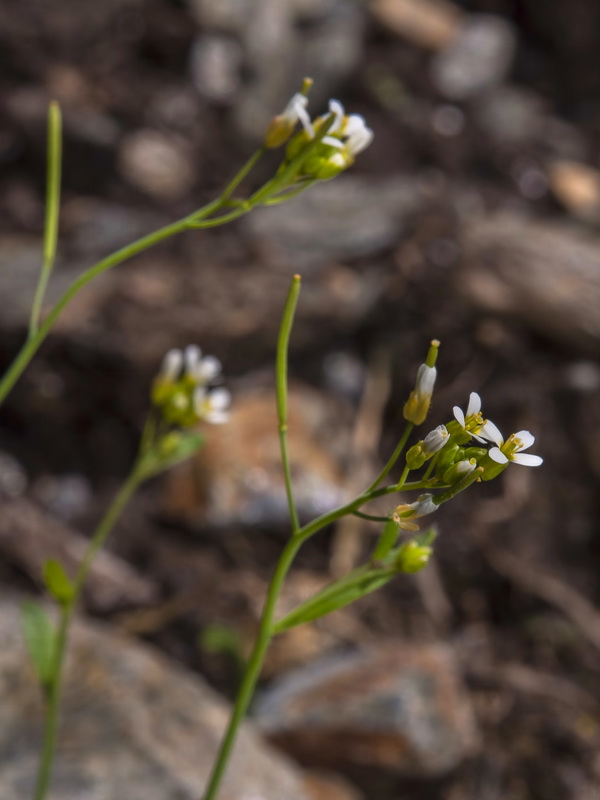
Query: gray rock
x=215, y=63
x=346, y=218
x=546, y=275
x=479, y=57
x=158, y=164
x=134, y=726
x=400, y=708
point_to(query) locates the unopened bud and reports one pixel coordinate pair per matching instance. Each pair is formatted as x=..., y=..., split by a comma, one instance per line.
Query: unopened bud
x=458, y=471
x=412, y=556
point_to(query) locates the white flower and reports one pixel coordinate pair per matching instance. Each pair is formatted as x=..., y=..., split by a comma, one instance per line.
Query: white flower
x=295, y=111
x=171, y=366
x=435, y=440
x=510, y=450
x=351, y=132
x=212, y=406
x=472, y=421
x=200, y=370
x=405, y=513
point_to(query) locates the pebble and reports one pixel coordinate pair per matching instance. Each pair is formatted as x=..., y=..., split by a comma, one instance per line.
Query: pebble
x=156, y=163
x=401, y=708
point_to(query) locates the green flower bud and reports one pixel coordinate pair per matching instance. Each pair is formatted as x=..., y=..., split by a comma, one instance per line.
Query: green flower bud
x=412, y=557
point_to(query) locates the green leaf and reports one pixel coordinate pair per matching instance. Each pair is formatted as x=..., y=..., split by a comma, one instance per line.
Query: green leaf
x=39, y=638
x=357, y=584
x=58, y=582
x=171, y=450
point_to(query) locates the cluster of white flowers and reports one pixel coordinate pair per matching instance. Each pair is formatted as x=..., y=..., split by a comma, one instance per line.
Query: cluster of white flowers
x=182, y=388
x=485, y=431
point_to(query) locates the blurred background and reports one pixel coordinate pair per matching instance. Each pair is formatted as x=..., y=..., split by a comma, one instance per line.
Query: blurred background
x=473, y=217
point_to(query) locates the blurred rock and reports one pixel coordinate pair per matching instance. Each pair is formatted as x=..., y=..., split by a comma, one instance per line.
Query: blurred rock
x=429, y=23
x=133, y=726
x=30, y=536
x=546, y=275
x=346, y=218
x=215, y=64
x=510, y=115
x=237, y=478
x=401, y=708
x=65, y=496
x=479, y=57
x=13, y=478
x=324, y=786
x=157, y=163
x=577, y=187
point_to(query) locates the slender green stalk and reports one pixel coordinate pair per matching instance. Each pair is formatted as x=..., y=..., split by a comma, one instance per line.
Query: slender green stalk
x=401, y=483
x=245, y=170
x=53, y=697
x=282, y=392
x=53, y=174
x=394, y=457
x=253, y=670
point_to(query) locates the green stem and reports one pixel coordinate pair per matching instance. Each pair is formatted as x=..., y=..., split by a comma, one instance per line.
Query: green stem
x=281, y=377
x=394, y=457
x=401, y=483
x=252, y=673
x=247, y=168
x=52, y=211
x=53, y=697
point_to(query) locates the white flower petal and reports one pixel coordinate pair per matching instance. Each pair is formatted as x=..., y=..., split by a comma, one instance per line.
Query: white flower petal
x=425, y=380
x=191, y=356
x=337, y=109
x=219, y=399
x=479, y=438
x=171, y=365
x=359, y=140
x=208, y=368
x=459, y=416
x=525, y=438
x=474, y=406
x=527, y=460
x=303, y=116
x=491, y=433
x=497, y=455
x=332, y=142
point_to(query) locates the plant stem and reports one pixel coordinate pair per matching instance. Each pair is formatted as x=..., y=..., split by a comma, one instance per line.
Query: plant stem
x=54, y=692
x=253, y=669
x=281, y=377
x=394, y=457
x=52, y=210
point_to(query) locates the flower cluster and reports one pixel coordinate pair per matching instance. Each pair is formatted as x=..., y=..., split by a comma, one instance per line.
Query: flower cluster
x=459, y=452
x=181, y=390
x=345, y=136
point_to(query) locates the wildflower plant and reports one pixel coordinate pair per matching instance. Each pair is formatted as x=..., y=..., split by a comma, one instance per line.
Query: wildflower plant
x=186, y=396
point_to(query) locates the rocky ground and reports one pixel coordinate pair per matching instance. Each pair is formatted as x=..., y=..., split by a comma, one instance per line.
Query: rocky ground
x=472, y=218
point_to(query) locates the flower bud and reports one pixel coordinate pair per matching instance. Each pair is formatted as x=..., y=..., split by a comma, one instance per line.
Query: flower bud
x=416, y=407
x=458, y=471
x=412, y=556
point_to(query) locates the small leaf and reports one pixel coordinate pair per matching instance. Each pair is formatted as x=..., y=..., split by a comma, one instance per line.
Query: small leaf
x=172, y=449
x=357, y=584
x=39, y=638
x=58, y=582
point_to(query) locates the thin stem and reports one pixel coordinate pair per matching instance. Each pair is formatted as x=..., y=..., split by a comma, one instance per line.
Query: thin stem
x=53, y=174
x=403, y=477
x=394, y=457
x=328, y=518
x=55, y=685
x=253, y=669
x=245, y=170
x=281, y=377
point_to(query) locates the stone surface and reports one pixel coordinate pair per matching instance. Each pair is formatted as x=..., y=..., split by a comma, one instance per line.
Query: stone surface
x=547, y=275
x=429, y=23
x=237, y=478
x=134, y=726
x=478, y=58
x=348, y=217
x=400, y=708
x=29, y=537
x=158, y=164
